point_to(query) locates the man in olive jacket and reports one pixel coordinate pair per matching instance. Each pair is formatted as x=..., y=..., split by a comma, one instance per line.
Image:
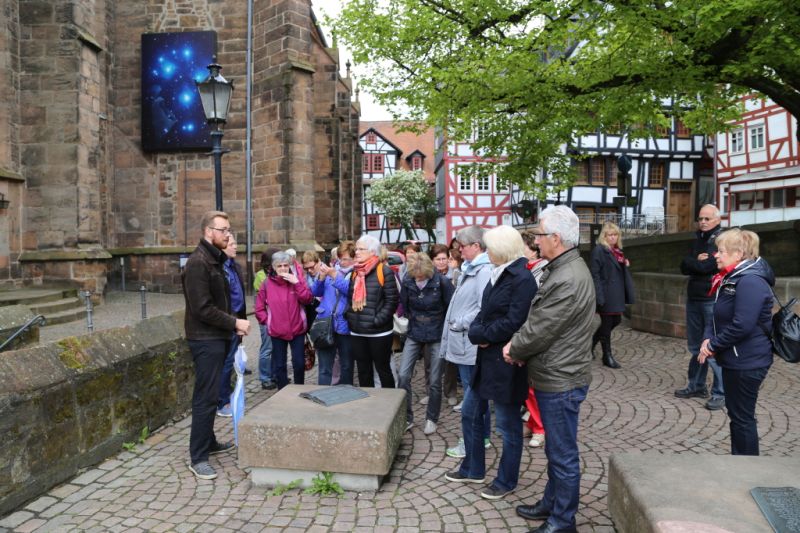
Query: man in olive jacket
x=209, y=323
x=555, y=342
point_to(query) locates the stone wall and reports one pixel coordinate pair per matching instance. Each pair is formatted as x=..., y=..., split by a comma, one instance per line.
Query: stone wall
x=68, y=405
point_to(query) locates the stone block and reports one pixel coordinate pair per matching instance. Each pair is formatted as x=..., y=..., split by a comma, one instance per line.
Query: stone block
x=701, y=493
x=291, y=436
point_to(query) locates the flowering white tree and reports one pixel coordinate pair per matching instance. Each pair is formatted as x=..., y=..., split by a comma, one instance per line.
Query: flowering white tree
x=402, y=197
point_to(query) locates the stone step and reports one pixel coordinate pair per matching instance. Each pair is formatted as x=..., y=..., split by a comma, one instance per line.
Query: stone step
x=69, y=315
x=48, y=308
x=31, y=297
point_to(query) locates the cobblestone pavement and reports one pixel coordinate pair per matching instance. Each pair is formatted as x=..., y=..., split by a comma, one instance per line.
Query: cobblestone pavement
x=626, y=410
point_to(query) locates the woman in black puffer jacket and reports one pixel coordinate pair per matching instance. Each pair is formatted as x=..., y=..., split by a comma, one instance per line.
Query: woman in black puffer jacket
x=372, y=301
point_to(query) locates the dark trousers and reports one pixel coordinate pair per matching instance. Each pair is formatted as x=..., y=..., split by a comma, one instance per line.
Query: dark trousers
x=208, y=357
x=741, y=395
x=227, y=372
x=279, y=349
x=369, y=351
x=603, y=333
x=450, y=378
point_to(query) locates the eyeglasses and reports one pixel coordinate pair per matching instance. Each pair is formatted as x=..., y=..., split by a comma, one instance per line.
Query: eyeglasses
x=224, y=231
x=704, y=219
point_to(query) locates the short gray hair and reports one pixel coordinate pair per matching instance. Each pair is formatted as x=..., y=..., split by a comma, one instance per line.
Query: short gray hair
x=281, y=257
x=471, y=234
x=504, y=244
x=563, y=221
x=714, y=209
x=371, y=243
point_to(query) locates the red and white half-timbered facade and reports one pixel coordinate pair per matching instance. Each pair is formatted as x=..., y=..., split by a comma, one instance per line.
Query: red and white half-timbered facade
x=465, y=200
x=757, y=165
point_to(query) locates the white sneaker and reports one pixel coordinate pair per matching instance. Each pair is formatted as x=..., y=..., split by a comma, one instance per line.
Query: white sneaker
x=409, y=425
x=430, y=427
x=457, y=408
x=458, y=451
x=525, y=416
x=423, y=400
x=537, y=439
x=451, y=401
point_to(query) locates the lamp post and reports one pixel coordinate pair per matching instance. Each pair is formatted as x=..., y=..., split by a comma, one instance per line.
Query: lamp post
x=215, y=94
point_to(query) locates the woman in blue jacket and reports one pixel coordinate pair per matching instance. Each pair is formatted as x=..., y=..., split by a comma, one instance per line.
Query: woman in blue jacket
x=504, y=309
x=738, y=336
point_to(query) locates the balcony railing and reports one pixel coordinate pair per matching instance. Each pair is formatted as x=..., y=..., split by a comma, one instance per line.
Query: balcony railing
x=631, y=226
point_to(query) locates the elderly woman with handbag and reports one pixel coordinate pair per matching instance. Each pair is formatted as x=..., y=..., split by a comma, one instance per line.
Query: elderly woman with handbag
x=280, y=305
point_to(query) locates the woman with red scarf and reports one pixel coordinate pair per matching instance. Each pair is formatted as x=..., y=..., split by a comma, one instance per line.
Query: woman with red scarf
x=613, y=287
x=371, y=303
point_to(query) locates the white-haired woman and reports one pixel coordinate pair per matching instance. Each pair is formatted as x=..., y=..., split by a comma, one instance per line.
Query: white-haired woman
x=504, y=309
x=372, y=301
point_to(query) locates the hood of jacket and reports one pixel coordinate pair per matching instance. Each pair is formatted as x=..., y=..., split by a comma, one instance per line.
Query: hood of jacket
x=751, y=267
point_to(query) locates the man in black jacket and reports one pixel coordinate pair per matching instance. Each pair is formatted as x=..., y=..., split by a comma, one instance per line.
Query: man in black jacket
x=700, y=265
x=209, y=324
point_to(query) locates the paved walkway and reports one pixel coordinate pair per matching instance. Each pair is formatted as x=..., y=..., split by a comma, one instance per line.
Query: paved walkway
x=627, y=410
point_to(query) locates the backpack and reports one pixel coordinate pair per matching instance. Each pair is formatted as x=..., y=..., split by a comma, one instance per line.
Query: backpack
x=785, y=335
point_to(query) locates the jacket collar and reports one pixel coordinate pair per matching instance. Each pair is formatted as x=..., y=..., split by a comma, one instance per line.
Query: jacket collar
x=567, y=257
x=710, y=233
x=215, y=253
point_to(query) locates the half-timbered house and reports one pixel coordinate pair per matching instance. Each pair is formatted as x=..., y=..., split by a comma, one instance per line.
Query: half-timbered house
x=758, y=166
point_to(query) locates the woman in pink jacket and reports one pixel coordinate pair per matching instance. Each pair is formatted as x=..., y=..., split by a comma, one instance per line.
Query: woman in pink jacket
x=279, y=306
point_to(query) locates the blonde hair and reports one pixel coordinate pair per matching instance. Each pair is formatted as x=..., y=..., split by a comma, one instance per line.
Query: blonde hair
x=739, y=240
x=419, y=265
x=609, y=227
x=310, y=255
x=346, y=248
x=504, y=243
x=209, y=216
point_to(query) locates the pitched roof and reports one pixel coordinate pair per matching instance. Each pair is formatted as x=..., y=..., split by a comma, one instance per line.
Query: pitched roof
x=406, y=142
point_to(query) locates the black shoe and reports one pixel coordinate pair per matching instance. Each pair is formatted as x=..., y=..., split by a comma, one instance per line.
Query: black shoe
x=536, y=511
x=547, y=527
x=715, y=403
x=221, y=447
x=247, y=371
x=609, y=361
x=687, y=393
x=268, y=385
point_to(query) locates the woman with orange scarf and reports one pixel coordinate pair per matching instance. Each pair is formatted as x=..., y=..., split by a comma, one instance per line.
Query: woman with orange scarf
x=371, y=303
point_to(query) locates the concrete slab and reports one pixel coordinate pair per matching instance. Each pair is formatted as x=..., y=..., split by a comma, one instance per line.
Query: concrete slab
x=289, y=437
x=663, y=493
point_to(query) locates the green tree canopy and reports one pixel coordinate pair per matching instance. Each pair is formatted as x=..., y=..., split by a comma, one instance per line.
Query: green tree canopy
x=530, y=75
x=403, y=197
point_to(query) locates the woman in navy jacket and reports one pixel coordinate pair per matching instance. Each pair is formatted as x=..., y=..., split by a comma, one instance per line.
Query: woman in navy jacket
x=613, y=287
x=738, y=336
x=504, y=308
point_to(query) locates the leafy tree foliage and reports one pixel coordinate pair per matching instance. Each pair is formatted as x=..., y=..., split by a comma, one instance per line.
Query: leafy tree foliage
x=531, y=74
x=404, y=197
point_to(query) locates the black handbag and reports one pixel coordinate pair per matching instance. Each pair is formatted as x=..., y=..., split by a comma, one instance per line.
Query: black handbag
x=785, y=335
x=321, y=332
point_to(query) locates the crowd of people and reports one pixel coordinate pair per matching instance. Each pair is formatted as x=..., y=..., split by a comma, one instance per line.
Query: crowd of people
x=514, y=316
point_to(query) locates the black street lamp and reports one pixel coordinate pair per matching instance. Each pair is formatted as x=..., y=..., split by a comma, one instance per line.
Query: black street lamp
x=215, y=94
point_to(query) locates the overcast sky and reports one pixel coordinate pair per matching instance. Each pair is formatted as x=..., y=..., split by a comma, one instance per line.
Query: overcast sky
x=370, y=110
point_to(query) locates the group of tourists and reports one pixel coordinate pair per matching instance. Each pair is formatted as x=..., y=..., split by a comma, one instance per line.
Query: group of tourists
x=514, y=316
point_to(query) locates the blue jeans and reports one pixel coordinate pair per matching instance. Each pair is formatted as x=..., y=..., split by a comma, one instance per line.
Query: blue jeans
x=265, y=355
x=560, y=412
x=700, y=314
x=326, y=357
x=227, y=372
x=279, y=349
x=411, y=353
x=465, y=373
x=742, y=394
x=509, y=424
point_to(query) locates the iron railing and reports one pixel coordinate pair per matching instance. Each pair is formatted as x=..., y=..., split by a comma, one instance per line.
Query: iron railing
x=642, y=225
x=25, y=327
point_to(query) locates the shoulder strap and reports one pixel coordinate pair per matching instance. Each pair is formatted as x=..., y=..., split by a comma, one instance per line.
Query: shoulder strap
x=380, y=274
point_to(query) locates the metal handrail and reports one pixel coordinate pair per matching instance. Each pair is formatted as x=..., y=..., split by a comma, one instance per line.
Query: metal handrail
x=38, y=318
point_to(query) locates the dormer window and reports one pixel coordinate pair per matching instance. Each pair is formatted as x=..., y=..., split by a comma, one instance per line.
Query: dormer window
x=372, y=138
x=416, y=162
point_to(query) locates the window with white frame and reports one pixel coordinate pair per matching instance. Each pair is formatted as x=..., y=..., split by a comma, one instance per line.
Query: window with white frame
x=464, y=181
x=737, y=141
x=757, y=137
x=483, y=183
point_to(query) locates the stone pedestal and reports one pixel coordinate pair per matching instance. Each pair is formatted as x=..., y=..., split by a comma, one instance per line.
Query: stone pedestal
x=653, y=492
x=288, y=438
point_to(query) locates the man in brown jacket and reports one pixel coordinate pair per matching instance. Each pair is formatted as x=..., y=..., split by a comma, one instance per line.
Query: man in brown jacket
x=209, y=324
x=555, y=342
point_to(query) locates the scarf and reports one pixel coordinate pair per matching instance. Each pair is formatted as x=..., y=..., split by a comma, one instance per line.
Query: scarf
x=618, y=255
x=716, y=281
x=533, y=263
x=360, y=287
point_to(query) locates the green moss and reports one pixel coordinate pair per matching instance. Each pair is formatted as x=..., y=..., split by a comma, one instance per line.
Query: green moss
x=72, y=352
